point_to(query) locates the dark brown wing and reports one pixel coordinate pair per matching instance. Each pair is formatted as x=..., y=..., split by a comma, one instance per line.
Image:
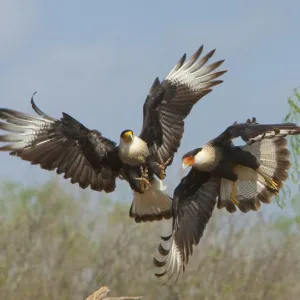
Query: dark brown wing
x=251, y=131
x=83, y=155
x=169, y=102
x=193, y=203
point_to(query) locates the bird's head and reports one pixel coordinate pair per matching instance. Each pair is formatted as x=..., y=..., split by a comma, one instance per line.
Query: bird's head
x=127, y=136
x=188, y=159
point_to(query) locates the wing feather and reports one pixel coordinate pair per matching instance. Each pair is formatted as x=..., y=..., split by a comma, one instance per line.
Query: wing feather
x=83, y=155
x=193, y=203
x=251, y=131
x=169, y=102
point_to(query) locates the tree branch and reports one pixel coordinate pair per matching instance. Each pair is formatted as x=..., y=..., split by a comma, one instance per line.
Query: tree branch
x=104, y=290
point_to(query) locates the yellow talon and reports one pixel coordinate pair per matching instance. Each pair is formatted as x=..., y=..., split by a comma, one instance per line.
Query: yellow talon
x=144, y=183
x=233, y=194
x=144, y=172
x=269, y=181
x=162, y=174
x=162, y=166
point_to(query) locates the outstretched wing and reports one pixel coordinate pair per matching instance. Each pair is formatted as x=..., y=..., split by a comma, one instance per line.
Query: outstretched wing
x=193, y=203
x=251, y=131
x=267, y=143
x=169, y=102
x=83, y=155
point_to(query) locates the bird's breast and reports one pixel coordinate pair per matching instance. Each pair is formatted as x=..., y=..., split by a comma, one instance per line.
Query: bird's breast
x=134, y=153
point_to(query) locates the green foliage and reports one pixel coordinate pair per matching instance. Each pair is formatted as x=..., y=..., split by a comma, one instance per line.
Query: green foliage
x=292, y=116
x=54, y=245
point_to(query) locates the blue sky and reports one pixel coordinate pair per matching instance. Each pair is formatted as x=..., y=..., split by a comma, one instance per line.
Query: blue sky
x=96, y=61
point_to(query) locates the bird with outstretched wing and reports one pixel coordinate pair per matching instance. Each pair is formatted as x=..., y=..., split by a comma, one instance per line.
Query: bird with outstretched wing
x=92, y=160
x=231, y=176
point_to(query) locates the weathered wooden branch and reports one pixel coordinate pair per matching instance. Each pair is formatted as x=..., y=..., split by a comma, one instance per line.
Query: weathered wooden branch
x=104, y=290
x=123, y=298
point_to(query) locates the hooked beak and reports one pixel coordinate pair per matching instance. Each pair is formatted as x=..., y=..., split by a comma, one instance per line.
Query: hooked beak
x=130, y=136
x=187, y=162
x=184, y=166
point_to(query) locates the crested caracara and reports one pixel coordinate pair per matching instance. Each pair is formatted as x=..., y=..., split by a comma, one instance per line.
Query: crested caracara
x=90, y=159
x=231, y=176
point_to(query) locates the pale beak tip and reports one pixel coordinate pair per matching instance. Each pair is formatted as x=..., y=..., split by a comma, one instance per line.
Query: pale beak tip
x=184, y=166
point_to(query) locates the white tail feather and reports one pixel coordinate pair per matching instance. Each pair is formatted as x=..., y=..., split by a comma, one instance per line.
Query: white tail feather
x=153, y=204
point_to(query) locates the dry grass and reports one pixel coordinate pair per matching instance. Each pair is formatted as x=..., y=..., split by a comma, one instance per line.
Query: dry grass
x=53, y=246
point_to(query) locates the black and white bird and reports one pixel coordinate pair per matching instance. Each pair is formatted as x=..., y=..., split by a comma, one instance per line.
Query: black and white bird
x=231, y=176
x=90, y=159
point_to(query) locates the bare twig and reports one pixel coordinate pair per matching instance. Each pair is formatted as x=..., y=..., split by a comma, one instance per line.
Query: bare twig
x=104, y=290
x=123, y=298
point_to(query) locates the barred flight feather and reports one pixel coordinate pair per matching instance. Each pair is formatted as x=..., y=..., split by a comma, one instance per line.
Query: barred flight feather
x=252, y=188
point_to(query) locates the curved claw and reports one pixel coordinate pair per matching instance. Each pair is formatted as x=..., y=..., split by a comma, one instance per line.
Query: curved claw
x=269, y=181
x=144, y=183
x=162, y=166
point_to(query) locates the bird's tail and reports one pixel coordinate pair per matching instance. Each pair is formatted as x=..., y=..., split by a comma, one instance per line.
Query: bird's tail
x=255, y=186
x=153, y=205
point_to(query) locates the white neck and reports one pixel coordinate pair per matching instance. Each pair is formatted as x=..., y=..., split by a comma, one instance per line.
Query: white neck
x=135, y=142
x=205, y=160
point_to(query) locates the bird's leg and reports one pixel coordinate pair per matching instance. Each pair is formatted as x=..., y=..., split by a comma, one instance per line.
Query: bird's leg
x=162, y=167
x=144, y=179
x=144, y=183
x=233, y=194
x=269, y=181
x=144, y=172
